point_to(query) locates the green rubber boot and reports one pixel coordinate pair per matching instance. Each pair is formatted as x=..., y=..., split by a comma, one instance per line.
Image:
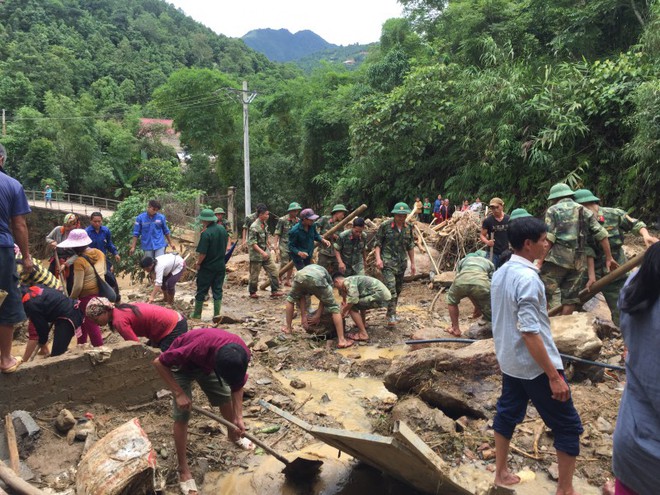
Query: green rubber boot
x=217, y=305
x=197, y=312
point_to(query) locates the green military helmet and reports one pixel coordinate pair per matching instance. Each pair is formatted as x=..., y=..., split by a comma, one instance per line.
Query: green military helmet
x=560, y=190
x=293, y=207
x=219, y=210
x=339, y=207
x=583, y=196
x=519, y=213
x=207, y=215
x=401, y=209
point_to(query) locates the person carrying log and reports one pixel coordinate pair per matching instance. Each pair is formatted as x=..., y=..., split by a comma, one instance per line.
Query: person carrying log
x=327, y=257
x=394, y=241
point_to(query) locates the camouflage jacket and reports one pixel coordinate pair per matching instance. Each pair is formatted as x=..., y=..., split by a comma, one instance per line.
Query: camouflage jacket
x=351, y=250
x=284, y=225
x=258, y=234
x=225, y=223
x=569, y=224
x=394, y=244
x=249, y=220
x=324, y=224
x=475, y=263
x=616, y=222
x=363, y=287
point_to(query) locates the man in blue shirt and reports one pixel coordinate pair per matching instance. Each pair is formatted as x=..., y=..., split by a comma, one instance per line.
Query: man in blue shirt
x=436, y=208
x=301, y=239
x=101, y=237
x=151, y=226
x=528, y=357
x=13, y=208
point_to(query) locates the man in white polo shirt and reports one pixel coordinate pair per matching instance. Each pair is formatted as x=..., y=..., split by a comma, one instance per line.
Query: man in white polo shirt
x=530, y=362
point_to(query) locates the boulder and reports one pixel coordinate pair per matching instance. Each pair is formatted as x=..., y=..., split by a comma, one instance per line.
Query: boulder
x=460, y=381
x=576, y=335
x=417, y=414
x=479, y=330
x=444, y=279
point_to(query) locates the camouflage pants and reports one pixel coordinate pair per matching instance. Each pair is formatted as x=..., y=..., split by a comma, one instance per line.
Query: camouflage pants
x=272, y=271
x=477, y=290
x=329, y=263
x=568, y=281
x=284, y=257
x=611, y=293
x=393, y=280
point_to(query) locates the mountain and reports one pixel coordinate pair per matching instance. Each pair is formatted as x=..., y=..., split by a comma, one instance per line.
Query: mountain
x=279, y=45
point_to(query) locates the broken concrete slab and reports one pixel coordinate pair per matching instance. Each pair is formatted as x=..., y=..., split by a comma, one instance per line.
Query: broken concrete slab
x=576, y=335
x=74, y=378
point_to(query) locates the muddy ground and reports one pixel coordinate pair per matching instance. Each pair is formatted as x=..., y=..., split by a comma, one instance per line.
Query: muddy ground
x=350, y=379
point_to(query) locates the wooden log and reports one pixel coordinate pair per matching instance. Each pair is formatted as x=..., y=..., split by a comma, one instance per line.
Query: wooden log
x=13, y=481
x=586, y=294
x=14, y=460
x=440, y=225
x=428, y=251
x=327, y=235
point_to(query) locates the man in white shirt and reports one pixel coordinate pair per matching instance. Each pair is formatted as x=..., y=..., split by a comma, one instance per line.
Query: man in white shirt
x=166, y=271
x=530, y=362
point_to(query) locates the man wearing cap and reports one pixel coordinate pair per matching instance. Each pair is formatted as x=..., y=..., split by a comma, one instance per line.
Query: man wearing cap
x=220, y=215
x=167, y=270
x=260, y=255
x=473, y=275
x=360, y=293
x=151, y=227
x=217, y=360
x=351, y=249
x=210, y=263
x=282, y=229
x=616, y=222
x=301, y=239
x=493, y=230
x=13, y=225
x=314, y=280
x=518, y=213
x=565, y=262
x=327, y=253
x=394, y=240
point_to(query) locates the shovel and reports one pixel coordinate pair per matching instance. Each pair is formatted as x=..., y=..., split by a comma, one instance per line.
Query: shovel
x=299, y=468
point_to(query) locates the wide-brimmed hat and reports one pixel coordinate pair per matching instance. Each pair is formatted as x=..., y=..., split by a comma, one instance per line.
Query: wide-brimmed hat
x=76, y=238
x=294, y=206
x=401, y=209
x=519, y=213
x=585, y=196
x=308, y=213
x=207, y=215
x=219, y=210
x=560, y=190
x=339, y=207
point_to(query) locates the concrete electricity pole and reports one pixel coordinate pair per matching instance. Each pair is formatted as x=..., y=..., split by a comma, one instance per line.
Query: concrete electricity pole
x=245, y=97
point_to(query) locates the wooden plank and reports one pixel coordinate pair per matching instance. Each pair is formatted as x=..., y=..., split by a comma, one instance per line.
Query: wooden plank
x=14, y=460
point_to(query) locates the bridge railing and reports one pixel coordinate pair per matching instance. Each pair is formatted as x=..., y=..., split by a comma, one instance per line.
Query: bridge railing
x=72, y=201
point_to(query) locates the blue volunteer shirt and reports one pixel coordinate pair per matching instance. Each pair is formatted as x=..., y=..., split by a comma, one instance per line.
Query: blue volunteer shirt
x=13, y=203
x=101, y=240
x=151, y=230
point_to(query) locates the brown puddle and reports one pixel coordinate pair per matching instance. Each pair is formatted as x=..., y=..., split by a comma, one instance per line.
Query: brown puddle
x=367, y=352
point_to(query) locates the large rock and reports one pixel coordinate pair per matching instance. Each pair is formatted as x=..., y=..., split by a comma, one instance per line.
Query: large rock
x=577, y=335
x=444, y=279
x=479, y=330
x=417, y=414
x=460, y=382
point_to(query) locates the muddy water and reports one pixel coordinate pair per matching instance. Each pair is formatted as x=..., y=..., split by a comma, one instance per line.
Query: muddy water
x=337, y=397
x=372, y=352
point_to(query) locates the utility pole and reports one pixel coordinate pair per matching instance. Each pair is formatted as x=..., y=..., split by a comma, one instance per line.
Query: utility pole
x=245, y=97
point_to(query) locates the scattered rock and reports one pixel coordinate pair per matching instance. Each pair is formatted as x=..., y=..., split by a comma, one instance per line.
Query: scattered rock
x=280, y=401
x=444, y=279
x=604, y=426
x=576, y=335
x=325, y=399
x=65, y=421
x=417, y=414
x=264, y=381
x=27, y=432
x=479, y=330
x=553, y=471
x=297, y=383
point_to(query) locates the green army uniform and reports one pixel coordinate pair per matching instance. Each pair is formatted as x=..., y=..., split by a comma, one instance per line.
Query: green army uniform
x=394, y=245
x=284, y=225
x=616, y=222
x=211, y=273
x=365, y=292
x=258, y=234
x=316, y=281
x=473, y=275
x=352, y=252
x=326, y=254
x=569, y=224
x=249, y=220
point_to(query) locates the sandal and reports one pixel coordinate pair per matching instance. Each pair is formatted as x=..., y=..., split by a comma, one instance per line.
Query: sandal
x=244, y=443
x=188, y=486
x=13, y=368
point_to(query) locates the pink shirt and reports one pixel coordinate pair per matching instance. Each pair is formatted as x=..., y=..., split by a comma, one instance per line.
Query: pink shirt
x=196, y=350
x=155, y=322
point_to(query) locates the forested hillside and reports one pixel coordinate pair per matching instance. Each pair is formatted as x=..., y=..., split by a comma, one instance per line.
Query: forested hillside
x=463, y=98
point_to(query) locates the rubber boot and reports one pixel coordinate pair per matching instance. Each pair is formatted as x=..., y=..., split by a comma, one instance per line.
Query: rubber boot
x=217, y=305
x=197, y=312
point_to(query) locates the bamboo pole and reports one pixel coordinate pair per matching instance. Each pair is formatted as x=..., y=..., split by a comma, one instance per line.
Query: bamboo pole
x=14, y=460
x=428, y=251
x=586, y=294
x=16, y=483
x=361, y=209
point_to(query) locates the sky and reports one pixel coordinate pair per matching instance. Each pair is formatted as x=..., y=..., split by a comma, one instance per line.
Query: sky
x=341, y=22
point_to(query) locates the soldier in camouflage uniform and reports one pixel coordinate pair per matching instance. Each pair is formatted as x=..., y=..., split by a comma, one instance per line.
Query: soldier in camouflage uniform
x=260, y=255
x=327, y=254
x=394, y=240
x=314, y=280
x=360, y=293
x=616, y=222
x=564, y=264
x=220, y=215
x=284, y=225
x=473, y=274
x=351, y=249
